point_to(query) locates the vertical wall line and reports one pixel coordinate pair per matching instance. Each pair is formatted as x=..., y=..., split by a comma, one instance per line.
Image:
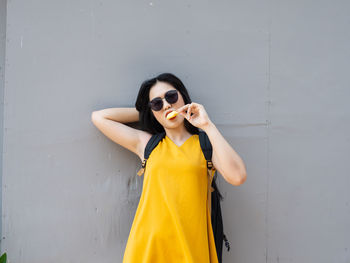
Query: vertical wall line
x=3, y=15
x=268, y=124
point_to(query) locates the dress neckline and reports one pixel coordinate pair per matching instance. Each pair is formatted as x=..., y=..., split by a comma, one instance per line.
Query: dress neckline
x=182, y=143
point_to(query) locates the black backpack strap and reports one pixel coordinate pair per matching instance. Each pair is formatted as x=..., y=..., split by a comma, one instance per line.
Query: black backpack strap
x=206, y=148
x=216, y=197
x=151, y=144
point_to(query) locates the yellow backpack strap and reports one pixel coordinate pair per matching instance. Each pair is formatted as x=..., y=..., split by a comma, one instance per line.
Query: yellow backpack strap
x=211, y=180
x=141, y=171
x=211, y=170
x=210, y=173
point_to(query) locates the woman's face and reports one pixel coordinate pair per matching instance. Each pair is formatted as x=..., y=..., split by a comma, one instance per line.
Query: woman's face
x=158, y=90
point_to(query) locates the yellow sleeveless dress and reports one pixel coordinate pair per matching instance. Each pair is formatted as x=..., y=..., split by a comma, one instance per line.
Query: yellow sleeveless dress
x=172, y=222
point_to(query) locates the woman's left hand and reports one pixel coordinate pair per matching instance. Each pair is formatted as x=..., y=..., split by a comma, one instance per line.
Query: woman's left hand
x=195, y=114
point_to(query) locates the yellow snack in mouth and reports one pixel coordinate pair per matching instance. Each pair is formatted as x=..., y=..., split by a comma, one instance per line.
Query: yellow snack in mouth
x=171, y=114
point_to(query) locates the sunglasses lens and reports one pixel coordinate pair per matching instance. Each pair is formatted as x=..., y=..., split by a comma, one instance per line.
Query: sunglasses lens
x=171, y=96
x=157, y=104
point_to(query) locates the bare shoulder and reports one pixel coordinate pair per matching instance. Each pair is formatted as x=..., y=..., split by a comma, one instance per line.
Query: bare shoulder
x=130, y=138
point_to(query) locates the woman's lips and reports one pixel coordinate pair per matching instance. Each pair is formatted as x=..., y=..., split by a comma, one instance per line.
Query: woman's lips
x=170, y=111
x=171, y=115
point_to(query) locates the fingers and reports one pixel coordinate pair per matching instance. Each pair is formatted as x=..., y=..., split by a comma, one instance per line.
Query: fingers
x=188, y=109
x=183, y=108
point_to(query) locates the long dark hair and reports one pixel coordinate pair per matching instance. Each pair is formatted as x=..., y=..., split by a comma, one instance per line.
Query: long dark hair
x=147, y=121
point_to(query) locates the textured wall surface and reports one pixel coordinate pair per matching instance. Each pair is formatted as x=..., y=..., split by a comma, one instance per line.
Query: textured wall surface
x=2, y=84
x=272, y=75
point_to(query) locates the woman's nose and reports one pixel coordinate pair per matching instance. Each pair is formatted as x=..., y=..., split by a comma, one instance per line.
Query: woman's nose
x=166, y=104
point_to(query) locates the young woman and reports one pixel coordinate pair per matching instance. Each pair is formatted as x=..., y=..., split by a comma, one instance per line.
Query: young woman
x=172, y=221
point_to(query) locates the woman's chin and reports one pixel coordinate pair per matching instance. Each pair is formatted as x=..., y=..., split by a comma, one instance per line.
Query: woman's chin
x=173, y=122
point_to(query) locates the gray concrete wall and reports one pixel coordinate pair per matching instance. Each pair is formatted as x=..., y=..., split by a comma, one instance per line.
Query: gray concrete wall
x=2, y=85
x=272, y=75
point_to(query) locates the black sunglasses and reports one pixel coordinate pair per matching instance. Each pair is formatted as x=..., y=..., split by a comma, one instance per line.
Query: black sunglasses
x=171, y=96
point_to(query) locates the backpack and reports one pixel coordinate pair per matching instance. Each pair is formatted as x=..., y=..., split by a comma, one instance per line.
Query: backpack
x=214, y=198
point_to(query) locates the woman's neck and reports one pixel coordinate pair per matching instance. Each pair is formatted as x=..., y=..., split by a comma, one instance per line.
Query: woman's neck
x=179, y=134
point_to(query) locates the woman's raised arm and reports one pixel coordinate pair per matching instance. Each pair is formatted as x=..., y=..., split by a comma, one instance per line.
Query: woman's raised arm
x=110, y=122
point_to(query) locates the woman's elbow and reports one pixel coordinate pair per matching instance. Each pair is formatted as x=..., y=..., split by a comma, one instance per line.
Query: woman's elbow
x=238, y=180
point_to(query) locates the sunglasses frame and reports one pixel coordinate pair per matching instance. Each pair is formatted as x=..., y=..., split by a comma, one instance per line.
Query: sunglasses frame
x=161, y=99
